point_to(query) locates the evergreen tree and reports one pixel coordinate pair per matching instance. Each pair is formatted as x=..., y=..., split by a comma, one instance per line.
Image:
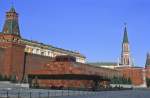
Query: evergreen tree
x=5, y=78
x=148, y=82
x=1, y=77
x=36, y=84
x=25, y=80
x=13, y=78
x=129, y=81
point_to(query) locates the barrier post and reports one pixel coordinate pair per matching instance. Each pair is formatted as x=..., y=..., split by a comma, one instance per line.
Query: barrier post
x=18, y=94
x=39, y=95
x=62, y=93
x=68, y=92
x=48, y=95
x=30, y=95
x=7, y=94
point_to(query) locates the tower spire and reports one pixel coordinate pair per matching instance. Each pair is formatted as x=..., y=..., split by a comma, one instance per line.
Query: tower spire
x=12, y=9
x=125, y=54
x=11, y=25
x=125, y=37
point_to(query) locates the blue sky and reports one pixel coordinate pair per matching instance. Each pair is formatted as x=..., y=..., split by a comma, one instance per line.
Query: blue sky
x=93, y=27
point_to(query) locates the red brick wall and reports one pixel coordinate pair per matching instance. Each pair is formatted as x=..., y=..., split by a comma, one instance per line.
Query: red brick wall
x=67, y=83
x=147, y=69
x=13, y=58
x=18, y=60
x=35, y=62
x=136, y=74
x=2, y=51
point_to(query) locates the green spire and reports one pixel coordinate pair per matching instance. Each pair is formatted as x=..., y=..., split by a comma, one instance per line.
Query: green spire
x=12, y=9
x=148, y=60
x=125, y=37
x=11, y=25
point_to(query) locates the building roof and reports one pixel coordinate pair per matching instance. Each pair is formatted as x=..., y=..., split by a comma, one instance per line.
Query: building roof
x=99, y=64
x=11, y=27
x=50, y=47
x=91, y=65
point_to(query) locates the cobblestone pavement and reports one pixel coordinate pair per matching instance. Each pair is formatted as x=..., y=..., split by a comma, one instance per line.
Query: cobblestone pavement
x=37, y=93
x=116, y=94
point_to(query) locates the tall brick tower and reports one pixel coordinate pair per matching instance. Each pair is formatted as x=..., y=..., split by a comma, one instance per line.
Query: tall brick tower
x=147, y=66
x=125, y=54
x=147, y=60
x=13, y=54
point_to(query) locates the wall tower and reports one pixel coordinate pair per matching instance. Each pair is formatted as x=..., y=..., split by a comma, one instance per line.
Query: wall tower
x=147, y=60
x=125, y=54
x=10, y=41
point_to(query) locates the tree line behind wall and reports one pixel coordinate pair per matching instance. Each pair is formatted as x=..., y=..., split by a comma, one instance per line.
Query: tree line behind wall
x=121, y=80
x=12, y=78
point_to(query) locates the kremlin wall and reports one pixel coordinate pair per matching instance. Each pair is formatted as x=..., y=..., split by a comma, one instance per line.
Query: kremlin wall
x=52, y=66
